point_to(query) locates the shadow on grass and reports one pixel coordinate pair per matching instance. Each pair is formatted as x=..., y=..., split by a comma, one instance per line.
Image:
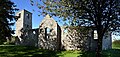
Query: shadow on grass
x=111, y=53
x=21, y=51
x=105, y=53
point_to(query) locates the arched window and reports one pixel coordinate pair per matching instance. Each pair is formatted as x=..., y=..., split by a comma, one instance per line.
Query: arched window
x=48, y=30
x=95, y=34
x=47, y=33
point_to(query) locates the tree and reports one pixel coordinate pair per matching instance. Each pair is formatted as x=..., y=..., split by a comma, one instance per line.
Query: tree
x=101, y=14
x=7, y=12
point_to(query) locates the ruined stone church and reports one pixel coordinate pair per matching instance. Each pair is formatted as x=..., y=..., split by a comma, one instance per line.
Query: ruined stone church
x=51, y=36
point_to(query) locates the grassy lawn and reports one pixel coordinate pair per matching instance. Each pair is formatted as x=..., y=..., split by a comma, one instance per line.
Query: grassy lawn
x=22, y=51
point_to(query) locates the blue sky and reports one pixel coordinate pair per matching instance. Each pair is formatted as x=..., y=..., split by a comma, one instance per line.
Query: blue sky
x=25, y=4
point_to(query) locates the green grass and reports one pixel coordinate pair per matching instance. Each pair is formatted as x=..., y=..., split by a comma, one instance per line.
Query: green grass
x=22, y=51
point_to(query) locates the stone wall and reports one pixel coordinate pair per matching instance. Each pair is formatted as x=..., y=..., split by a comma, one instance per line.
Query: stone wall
x=107, y=41
x=49, y=34
x=24, y=29
x=73, y=39
x=29, y=38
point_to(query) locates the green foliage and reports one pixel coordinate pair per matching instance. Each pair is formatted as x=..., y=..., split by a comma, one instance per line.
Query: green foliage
x=7, y=14
x=116, y=44
x=10, y=41
x=100, y=14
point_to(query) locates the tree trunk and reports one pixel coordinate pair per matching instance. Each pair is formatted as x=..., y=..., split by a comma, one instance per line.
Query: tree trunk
x=99, y=48
x=99, y=45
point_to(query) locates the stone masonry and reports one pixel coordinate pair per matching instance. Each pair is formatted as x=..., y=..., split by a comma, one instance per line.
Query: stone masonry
x=51, y=36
